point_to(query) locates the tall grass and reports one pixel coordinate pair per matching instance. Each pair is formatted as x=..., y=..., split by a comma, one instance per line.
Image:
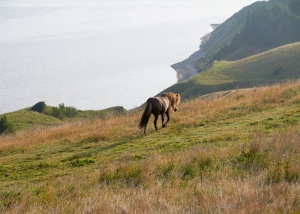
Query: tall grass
x=233, y=154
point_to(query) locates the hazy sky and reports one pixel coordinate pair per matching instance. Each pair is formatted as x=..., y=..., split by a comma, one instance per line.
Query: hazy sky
x=69, y=16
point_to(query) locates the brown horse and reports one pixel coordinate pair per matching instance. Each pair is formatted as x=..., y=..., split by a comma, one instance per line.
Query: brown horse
x=159, y=106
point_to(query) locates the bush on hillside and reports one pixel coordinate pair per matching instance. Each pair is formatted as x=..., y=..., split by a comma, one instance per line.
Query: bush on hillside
x=68, y=111
x=63, y=111
x=58, y=113
x=5, y=126
x=39, y=107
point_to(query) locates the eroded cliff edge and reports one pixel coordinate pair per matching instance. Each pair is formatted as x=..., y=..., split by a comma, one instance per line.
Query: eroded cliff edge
x=187, y=68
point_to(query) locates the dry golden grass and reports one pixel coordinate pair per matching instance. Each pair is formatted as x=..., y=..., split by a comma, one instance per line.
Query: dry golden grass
x=98, y=129
x=151, y=191
x=233, y=154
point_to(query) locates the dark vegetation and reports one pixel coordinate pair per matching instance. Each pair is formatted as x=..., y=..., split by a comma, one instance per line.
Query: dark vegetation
x=5, y=125
x=267, y=27
x=63, y=111
x=39, y=107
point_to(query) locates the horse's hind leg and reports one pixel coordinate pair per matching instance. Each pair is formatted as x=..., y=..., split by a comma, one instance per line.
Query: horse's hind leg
x=155, y=121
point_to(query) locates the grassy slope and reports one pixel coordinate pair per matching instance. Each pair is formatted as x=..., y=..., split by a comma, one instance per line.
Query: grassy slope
x=276, y=65
x=26, y=119
x=232, y=154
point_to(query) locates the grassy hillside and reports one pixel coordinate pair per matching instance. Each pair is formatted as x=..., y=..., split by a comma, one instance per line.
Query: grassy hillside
x=225, y=33
x=233, y=154
x=258, y=27
x=276, y=65
x=25, y=119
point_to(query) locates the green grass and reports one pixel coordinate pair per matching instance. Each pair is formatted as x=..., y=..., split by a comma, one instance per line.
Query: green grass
x=25, y=119
x=244, y=146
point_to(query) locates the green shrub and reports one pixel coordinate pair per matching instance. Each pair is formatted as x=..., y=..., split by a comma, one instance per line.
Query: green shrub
x=63, y=111
x=5, y=126
x=58, y=113
x=39, y=107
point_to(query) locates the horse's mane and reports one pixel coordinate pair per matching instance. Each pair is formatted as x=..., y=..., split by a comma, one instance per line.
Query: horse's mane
x=174, y=98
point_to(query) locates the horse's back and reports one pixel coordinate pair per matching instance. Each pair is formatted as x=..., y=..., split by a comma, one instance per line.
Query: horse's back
x=159, y=104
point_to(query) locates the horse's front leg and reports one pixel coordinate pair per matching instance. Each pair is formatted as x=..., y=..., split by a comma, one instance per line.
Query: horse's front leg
x=162, y=120
x=168, y=118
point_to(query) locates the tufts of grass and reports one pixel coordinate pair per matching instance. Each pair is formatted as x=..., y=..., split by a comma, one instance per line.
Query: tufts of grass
x=130, y=174
x=8, y=199
x=81, y=162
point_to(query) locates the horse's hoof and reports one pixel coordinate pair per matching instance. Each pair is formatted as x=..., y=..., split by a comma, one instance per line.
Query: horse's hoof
x=164, y=126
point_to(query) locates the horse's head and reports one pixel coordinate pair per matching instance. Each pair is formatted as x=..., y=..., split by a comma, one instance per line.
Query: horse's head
x=173, y=98
x=176, y=101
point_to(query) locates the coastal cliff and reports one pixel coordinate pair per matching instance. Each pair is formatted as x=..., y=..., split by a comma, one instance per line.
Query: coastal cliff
x=210, y=43
x=221, y=36
x=187, y=67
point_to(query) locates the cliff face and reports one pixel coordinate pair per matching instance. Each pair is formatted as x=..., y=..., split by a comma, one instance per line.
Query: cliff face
x=187, y=67
x=211, y=43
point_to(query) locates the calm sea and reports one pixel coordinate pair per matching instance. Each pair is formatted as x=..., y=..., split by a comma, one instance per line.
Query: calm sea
x=99, y=53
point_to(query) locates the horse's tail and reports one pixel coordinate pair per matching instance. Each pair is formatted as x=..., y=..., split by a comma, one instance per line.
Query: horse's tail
x=146, y=116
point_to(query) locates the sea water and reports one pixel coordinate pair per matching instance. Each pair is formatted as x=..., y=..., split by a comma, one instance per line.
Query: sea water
x=95, y=54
